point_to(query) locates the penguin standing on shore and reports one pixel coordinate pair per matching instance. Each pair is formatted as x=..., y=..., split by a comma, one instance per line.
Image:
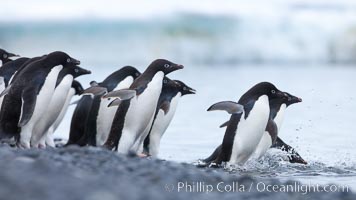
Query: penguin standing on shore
x=102, y=114
x=58, y=100
x=76, y=89
x=135, y=115
x=5, y=56
x=172, y=91
x=93, y=111
x=248, y=121
x=29, y=96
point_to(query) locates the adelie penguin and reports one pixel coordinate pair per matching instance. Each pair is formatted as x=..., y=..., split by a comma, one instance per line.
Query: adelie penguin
x=277, y=109
x=6, y=56
x=247, y=124
x=135, y=115
x=29, y=96
x=58, y=101
x=172, y=91
x=95, y=113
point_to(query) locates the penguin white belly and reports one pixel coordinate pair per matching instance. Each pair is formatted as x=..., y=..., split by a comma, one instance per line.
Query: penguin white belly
x=53, y=110
x=106, y=114
x=161, y=124
x=49, y=134
x=140, y=113
x=264, y=144
x=278, y=119
x=42, y=102
x=249, y=131
x=2, y=88
x=2, y=84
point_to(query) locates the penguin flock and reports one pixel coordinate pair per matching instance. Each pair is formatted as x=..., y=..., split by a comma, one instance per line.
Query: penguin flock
x=128, y=111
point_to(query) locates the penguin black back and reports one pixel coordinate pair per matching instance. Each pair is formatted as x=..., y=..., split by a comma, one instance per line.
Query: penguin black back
x=116, y=77
x=8, y=69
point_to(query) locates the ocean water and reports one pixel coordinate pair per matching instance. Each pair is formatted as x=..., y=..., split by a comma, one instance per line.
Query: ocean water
x=306, y=48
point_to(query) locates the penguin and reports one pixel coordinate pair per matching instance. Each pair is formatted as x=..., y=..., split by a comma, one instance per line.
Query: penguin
x=5, y=56
x=9, y=74
x=135, y=115
x=248, y=121
x=172, y=91
x=76, y=89
x=101, y=114
x=269, y=138
x=8, y=69
x=29, y=96
x=57, y=102
x=79, y=120
x=93, y=111
x=277, y=110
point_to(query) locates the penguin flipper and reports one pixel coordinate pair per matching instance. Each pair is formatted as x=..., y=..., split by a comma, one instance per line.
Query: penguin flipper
x=29, y=97
x=124, y=94
x=229, y=106
x=94, y=90
x=224, y=124
x=165, y=107
x=115, y=102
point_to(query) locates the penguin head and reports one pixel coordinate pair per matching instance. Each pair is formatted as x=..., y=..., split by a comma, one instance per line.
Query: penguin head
x=130, y=71
x=61, y=58
x=5, y=56
x=77, y=87
x=169, y=84
x=290, y=99
x=76, y=71
x=263, y=88
x=184, y=89
x=164, y=65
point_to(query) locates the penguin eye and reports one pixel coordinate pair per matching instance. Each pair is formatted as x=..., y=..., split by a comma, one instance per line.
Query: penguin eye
x=167, y=65
x=68, y=60
x=76, y=70
x=137, y=74
x=289, y=99
x=5, y=55
x=184, y=88
x=273, y=91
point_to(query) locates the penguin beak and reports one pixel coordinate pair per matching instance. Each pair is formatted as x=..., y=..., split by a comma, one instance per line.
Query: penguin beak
x=191, y=91
x=177, y=67
x=12, y=55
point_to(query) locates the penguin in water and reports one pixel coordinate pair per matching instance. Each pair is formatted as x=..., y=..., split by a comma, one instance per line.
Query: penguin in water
x=268, y=140
x=29, y=96
x=172, y=91
x=6, y=56
x=248, y=121
x=278, y=107
x=58, y=100
x=135, y=115
x=76, y=89
x=102, y=113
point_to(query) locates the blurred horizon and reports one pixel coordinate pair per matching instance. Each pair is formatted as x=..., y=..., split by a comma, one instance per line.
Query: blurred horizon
x=229, y=33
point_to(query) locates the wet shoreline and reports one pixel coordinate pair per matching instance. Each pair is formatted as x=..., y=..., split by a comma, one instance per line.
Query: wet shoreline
x=94, y=173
